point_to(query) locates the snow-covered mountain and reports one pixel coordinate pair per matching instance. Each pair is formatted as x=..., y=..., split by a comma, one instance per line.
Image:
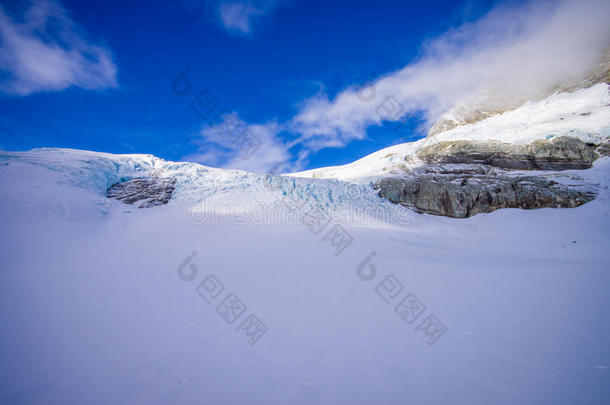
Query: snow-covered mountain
x=235, y=287
x=584, y=114
x=490, y=103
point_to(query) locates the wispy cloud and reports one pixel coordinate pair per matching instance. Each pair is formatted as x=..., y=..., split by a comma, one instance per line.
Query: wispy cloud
x=43, y=50
x=219, y=149
x=240, y=16
x=517, y=52
x=512, y=54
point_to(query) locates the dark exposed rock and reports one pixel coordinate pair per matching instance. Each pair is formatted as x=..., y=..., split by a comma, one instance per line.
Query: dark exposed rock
x=462, y=192
x=562, y=153
x=463, y=178
x=145, y=192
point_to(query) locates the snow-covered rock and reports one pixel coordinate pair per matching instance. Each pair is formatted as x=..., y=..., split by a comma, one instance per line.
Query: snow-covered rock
x=583, y=114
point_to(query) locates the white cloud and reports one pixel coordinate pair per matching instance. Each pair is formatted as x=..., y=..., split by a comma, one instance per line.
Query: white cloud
x=43, y=51
x=516, y=52
x=264, y=152
x=512, y=54
x=240, y=16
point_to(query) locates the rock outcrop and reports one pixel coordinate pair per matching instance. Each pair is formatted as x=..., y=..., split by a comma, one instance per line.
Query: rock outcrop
x=461, y=191
x=144, y=192
x=463, y=178
x=562, y=153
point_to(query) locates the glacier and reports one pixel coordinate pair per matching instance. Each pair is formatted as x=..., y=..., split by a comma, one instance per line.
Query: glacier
x=104, y=302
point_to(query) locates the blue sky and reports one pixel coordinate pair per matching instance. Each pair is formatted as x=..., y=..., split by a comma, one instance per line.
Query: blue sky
x=288, y=75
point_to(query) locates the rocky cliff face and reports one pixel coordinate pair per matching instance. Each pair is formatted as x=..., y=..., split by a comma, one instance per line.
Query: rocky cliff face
x=463, y=178
x=145, y=192
x=562, y=153
x=460, y=192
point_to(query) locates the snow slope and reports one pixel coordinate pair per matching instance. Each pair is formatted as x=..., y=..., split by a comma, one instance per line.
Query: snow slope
x=93, y=309
x=584, y=114
x=207, y=192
